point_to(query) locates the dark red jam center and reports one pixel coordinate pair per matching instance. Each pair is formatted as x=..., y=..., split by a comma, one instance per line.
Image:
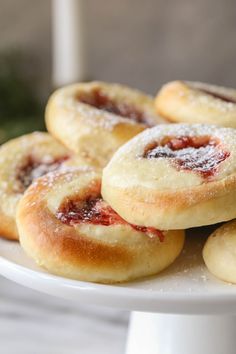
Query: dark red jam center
x=99, y=100
x=33, y=169
x=202, y=154
x=97, y=212
x=219, y=96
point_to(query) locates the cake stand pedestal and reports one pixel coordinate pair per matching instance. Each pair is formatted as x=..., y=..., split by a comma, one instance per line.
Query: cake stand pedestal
x=183, y=310
x=152, y=333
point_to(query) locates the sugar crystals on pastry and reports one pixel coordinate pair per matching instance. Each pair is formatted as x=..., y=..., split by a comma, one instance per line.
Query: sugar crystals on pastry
x=197, y=102
x=174, y=177
x=95, y=118
x=21, y=161
x=66, y=227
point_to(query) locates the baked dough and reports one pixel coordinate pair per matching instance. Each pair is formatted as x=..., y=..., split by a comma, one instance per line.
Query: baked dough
x=196, y=102
x=67, y=228
x=174, y=176
x=22, y=160
x=94, y=119
x=219, y=252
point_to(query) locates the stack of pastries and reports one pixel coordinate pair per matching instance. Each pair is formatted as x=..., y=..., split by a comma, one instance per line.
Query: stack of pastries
x=107, y=194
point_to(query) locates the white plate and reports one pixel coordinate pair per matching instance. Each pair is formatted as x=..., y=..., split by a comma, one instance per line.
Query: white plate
x=185, y=287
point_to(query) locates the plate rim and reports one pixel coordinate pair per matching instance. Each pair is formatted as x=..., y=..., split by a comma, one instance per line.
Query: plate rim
x=171, y=300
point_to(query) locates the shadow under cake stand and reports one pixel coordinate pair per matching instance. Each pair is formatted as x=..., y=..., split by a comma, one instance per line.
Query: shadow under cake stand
x=183, y=310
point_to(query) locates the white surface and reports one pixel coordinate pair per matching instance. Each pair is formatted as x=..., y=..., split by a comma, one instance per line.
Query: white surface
x=35, y=323
x=68, y=41
x=185, y=287
x=175, y=334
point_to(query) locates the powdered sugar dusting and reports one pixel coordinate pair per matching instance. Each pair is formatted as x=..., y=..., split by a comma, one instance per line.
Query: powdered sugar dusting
x=65, y=174
x=217, y=97
x=100, y=100
x=33, y=169
x=125, y=102
x=226, y=135
x=199, y=154
x=128, y=164
x=188, y=273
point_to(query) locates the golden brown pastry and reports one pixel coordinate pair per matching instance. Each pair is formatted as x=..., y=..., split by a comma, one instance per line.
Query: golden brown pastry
x=94, y=119
x=67, y=228
x=21, y=161
x=197, y=102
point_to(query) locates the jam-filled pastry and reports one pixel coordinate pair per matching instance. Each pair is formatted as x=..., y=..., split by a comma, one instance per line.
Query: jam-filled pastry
x=219, y=252
x=174, y=176
x=21, y=161
x=196, y=102
x=95, y=118
x=67, y=228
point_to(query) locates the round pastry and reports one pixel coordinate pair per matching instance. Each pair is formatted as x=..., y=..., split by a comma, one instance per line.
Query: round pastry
x=95, y=118
x=174, y=176
x=196, y=102
x=67, y=228
x=21, y=161
x=219, y=252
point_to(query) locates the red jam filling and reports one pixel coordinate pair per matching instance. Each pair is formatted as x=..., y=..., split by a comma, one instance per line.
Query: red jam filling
x=99, y=100
x=97, y=212
x=33, y=169
x=219, y=96
x=202, y=154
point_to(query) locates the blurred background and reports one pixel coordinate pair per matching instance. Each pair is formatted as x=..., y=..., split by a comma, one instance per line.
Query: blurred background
x=139, y=43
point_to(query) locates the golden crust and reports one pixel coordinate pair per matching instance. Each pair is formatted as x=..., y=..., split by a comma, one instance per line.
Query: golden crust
x=14, y=155
x=196, y=102
x=8, y=227
x=93, y=132
x=98, y=253
x=153, y=192
x=219, y=252
x=149, y=208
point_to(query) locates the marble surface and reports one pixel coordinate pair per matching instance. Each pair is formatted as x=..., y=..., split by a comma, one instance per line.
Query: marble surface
x=34, y=323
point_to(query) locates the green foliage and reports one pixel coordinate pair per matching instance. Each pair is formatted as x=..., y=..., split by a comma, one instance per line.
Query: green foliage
x=20, y=110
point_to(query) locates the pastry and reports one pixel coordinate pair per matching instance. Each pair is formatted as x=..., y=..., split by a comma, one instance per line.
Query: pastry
x=94, y=119
x=196, y=102
x=67, y=228
x=174, y=176
x=219, y=252
x=21, y=161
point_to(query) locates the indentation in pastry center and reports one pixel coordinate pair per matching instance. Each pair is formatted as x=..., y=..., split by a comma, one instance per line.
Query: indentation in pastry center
x=100, y=100
x=33, y=168
x=94, y=210
x=202, y=154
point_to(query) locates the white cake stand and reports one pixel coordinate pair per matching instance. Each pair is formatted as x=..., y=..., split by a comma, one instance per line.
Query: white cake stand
x=184, y=310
